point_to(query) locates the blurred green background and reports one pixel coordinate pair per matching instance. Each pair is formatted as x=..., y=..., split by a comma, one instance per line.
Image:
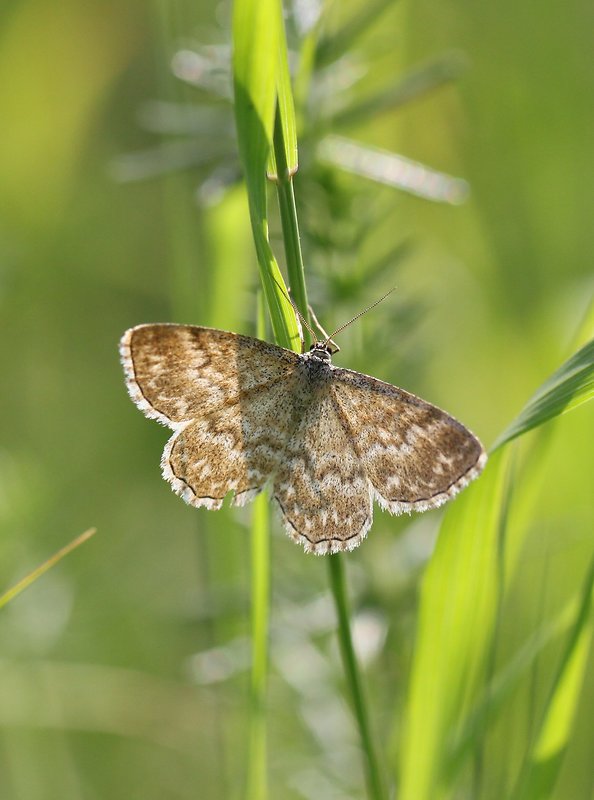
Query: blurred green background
x=123, y=671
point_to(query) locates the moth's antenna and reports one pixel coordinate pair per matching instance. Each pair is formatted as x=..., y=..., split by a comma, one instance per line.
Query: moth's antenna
x=296, y=310
x=360, y=314
x=326, y=339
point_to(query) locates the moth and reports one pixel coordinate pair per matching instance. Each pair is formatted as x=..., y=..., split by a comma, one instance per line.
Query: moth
x=329, y=441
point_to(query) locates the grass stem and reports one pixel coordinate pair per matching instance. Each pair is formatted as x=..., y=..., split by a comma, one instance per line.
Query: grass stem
x=290, y=226
x=257, y=784
x=375, y=786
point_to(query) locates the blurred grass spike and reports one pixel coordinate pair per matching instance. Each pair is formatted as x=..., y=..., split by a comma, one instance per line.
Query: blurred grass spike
x=333, y=46
x=39, y=571
x=392, y=169
x=413, y=86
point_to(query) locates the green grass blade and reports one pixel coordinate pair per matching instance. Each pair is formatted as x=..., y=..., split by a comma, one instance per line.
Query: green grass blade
x=289, y=222
x=570, y=386
x=499, y=690
x=257, y=39
x=37, y=573
x=542, y=767
x=457, y=621
x=285, y=113
x=458, y=609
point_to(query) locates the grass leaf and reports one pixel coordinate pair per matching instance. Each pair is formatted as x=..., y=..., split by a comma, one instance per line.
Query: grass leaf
x=459, y=602
x=286, y=113
x=570, y=386
x=500, y=688
x=258, y=38
x=458, y=607
x=542, y=767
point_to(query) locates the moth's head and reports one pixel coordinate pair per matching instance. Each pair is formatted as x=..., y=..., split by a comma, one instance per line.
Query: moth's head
x=322, y=351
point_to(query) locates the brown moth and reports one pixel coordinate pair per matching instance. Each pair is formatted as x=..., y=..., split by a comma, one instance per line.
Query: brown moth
x=328, y=440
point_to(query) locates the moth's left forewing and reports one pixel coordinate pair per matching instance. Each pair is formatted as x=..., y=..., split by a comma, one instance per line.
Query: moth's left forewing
x=416, y=456
x=156, y=360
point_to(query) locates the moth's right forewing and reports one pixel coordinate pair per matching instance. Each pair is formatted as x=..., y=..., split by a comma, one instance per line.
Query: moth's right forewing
x=227, y=397
x=175, y=373
x=171, y=370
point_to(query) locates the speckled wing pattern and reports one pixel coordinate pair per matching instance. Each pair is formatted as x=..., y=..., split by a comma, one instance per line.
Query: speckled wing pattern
x=224, y=395
x=329, y=440
x=415, y=455
x=321, y=486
